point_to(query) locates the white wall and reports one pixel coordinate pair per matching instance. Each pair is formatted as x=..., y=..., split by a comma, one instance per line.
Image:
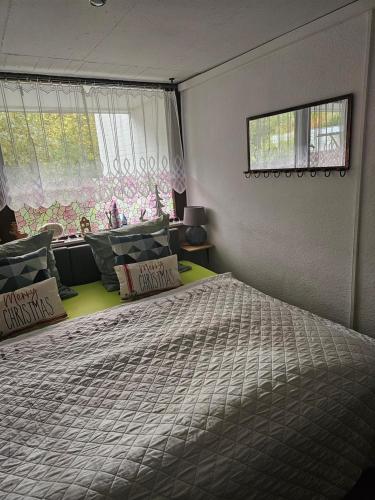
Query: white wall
x=365, y=289
x=290, y=237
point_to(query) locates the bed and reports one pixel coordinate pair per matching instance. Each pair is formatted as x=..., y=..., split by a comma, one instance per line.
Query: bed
x=212, y=391
x=92, y=297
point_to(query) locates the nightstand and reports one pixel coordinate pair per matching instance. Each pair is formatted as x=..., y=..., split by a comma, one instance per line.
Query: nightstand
x=199, y=254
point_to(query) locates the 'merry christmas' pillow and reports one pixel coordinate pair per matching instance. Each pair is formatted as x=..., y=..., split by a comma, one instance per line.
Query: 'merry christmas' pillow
x=147, y=277
x=30, y=306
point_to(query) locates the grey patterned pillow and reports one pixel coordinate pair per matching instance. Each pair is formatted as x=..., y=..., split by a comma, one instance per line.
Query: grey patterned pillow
x=24, y=270
x=32, y=243
x=102, y=249
x=130, y=248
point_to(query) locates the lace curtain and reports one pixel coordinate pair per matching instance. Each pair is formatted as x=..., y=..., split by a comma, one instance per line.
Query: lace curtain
x=64, y=143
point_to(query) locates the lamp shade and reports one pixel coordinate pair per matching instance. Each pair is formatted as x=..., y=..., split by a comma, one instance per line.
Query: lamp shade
x=195, y=216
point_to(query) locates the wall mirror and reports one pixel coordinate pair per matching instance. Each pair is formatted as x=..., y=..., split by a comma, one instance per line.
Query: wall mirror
x=313, y=137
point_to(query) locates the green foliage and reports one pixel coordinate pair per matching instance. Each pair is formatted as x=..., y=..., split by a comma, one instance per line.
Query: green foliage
x=320, y=119
x=66, y=140
x=273, y=135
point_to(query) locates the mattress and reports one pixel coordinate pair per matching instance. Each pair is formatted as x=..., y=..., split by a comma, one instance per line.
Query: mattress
x=214, y=391
x=93, y=297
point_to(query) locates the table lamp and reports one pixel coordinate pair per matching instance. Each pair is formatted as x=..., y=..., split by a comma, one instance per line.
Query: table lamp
x=194, y=218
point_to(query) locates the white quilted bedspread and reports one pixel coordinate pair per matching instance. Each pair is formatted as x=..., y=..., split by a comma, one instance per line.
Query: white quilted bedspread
x=215, y=392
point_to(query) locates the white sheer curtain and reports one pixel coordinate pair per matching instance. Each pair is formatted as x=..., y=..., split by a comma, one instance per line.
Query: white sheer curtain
x=64, y=143
x=273, y=142
x=328, y=134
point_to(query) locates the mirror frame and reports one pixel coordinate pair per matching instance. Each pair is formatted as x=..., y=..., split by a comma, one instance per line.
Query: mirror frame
x=348, y=97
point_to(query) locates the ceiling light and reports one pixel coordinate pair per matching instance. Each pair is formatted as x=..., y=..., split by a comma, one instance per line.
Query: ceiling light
x=97, y=3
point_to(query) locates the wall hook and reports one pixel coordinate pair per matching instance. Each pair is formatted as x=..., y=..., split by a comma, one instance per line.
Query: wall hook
x=313, y=173
x=342, y=173
x=300, y=174
x=247, y=175
x=266, y=175
x=276, y=174
x=257, y=175
x=327, y=173
x=288, y=174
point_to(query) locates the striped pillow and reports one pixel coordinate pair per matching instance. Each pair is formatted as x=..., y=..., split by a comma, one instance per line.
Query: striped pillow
x=132, y=248
x=23, y=270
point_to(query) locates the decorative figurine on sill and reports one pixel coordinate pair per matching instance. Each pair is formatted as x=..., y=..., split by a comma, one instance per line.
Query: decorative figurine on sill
x=85, y=225
x=123, y=220
x=143, y=213
x=113, y=215
x=109, y=218
x=158, y=203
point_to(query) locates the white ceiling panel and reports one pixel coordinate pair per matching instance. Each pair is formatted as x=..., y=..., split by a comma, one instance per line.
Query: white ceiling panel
x=19, y=62
x=143, y=39
x=60, y=28
x=115, y=70
x=4, y=14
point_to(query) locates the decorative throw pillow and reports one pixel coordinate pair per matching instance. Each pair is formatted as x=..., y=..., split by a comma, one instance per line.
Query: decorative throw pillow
x=25, y=270
x=27, y=245
x=30, y=306
x=139, y=247
x=102, y=250
x=148, y=277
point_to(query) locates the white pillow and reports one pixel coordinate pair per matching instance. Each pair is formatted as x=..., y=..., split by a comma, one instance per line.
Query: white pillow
x=147, y=277
x=30, y=306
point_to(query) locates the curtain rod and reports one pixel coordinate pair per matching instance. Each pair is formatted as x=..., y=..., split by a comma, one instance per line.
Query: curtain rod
x=31, y=77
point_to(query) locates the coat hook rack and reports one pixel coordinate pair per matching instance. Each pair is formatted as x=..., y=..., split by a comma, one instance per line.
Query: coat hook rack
x=288, y=173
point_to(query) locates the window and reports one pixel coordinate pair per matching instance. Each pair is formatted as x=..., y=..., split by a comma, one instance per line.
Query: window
x=67, y=150
x=311, y=137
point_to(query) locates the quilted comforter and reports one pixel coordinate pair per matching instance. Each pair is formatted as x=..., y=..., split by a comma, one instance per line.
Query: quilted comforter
x=215, y=392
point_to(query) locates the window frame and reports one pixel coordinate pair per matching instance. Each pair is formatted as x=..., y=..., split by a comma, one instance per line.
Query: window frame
x=348, y=97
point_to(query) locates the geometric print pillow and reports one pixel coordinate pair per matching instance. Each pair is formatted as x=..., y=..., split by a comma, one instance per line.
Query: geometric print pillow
x=31, y=244
x=133, y=248
x=24, y=270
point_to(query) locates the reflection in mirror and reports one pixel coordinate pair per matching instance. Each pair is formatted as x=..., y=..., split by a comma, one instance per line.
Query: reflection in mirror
x=312, y=137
